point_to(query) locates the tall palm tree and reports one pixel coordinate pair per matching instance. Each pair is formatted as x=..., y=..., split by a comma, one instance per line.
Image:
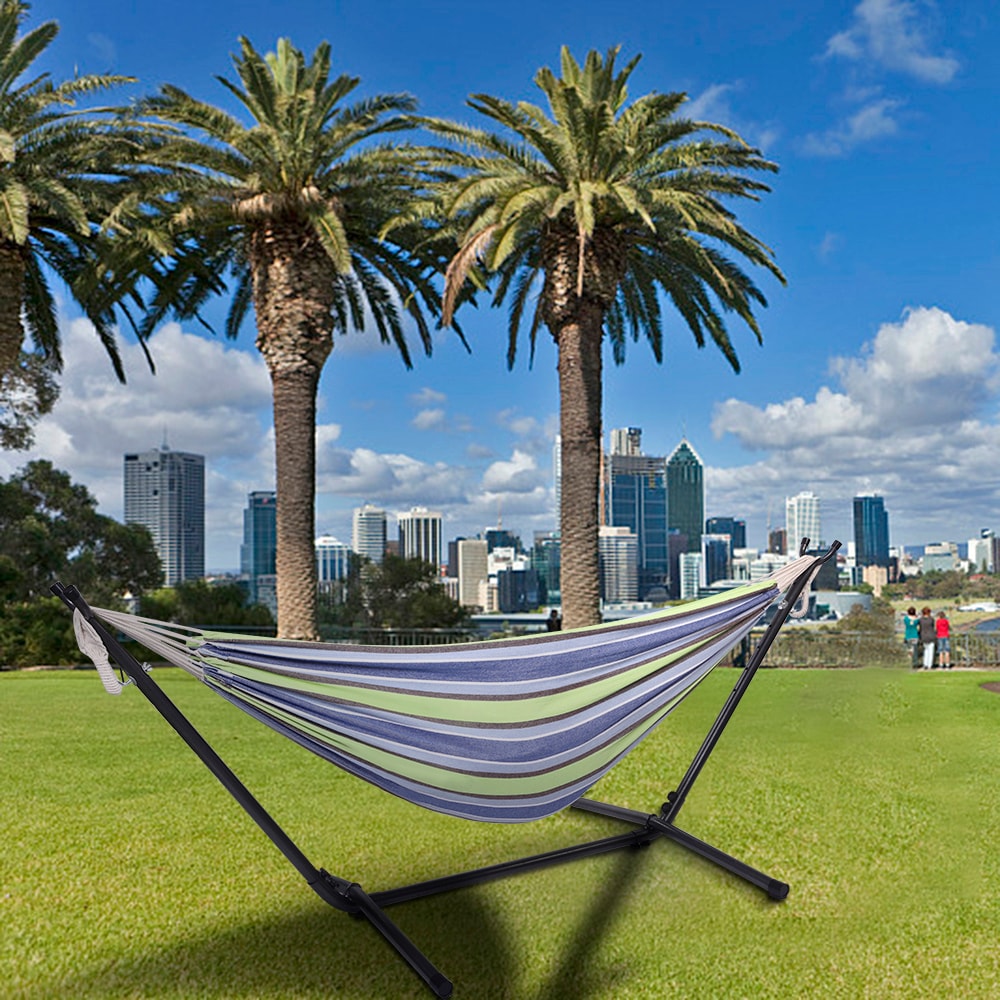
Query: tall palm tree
x=289, y=209
x=595, y=212
x=62, y=176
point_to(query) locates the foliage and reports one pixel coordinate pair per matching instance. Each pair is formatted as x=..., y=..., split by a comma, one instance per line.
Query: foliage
x=200, y=603
x=943, y=585
x=396, y=593
x=49, y=530
x=63, y=176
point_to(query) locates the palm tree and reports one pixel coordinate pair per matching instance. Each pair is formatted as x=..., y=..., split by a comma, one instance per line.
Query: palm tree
x=594, y=212
x=62, y=176
x=289, y=209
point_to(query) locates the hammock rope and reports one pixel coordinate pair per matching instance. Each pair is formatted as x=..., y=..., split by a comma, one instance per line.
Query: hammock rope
x=504, y=731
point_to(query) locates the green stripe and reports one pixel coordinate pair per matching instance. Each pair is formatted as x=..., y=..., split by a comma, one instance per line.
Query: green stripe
x=445, y=779
x=495, y=709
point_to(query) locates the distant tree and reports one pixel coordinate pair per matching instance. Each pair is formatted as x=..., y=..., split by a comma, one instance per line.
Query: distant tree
x=397, y=593
x=200, y=603
x=49, y=530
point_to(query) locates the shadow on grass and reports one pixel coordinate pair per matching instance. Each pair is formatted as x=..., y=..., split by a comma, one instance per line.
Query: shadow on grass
x=317, y=952
x=579, y=974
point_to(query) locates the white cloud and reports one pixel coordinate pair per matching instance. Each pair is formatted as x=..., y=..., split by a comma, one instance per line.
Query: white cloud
x=874, y=120
x=886, y=33
x=428, y=397
x=914, y=416
x=519, y=474
x=427, y=420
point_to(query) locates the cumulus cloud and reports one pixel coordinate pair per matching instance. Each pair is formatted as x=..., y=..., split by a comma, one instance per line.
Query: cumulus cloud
x=887, y=34
x=715, y=104
x=428, y=397
x=913, y=416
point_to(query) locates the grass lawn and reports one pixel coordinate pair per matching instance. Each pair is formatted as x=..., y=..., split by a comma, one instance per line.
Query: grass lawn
x=127, y=871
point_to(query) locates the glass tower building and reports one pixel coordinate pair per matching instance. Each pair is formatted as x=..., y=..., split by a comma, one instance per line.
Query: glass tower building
x=635, y=497
x=165, y=491
x=686, y=494
x=260, y=540
x=871, y=531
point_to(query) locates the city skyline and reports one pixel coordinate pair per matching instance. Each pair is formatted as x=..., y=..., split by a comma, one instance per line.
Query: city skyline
x=879, y=366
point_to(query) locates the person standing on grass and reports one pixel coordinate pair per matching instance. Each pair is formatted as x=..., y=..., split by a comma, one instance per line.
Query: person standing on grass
x=942, y=629
x=928, y=637
x=911, y=635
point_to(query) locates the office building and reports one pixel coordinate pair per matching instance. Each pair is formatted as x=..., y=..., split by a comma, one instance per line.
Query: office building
x=546, y=561
x=618, y=551
x=165, y=491
x=471, y=570
x=260, y=542
x=368, y=533
x=715, y=559
x=517, y=590
x=686, y=494
x=420, y=535
x=635, y=497
x=735, y=528
x=690, y=575
x=802, y=521
x=871, y=531
x=332, y=561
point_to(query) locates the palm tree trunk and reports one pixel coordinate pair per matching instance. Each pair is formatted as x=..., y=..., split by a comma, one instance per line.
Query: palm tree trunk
x=11, y=299
x=580, y=427
x=295, y=463
x=293, y=289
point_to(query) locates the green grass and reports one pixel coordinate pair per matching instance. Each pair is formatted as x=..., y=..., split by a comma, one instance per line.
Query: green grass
x=126, y=871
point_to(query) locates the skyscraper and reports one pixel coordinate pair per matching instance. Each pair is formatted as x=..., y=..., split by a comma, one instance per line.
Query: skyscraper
x=618, y=549
x=802, y=521
x=473, y=571
x=871, y=531
x=686, y=494
x=332, y=560
x=165, y=491
x=420, y=535
x=635, y=497
x=368, y=532
x=734, y=527
x=257, y=553
x=716, y=558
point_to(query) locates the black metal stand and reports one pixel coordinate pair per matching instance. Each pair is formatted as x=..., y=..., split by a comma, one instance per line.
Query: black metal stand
x=351, y=898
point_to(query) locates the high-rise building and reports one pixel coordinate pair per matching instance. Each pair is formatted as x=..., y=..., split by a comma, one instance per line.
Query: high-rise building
x=420, y=535
x=635, y=497
x=802, y=521
x=777, y=541
x=716, y=558
x=871, y=531
x=368, y=532
x=260, y=541
x=690, y=575
x=734, y=527
x=332, y=560
x=546, y=561
x=165, y=491
x=472, y=570
x=686, y=494
x=618, y=549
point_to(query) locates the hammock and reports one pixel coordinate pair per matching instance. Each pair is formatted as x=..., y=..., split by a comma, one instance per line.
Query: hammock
x=505, y=731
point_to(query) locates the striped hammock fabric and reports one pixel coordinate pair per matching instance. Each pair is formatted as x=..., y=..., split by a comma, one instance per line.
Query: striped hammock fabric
x=504, y=731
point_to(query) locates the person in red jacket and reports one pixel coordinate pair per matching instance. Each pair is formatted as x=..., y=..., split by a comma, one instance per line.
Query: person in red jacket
x=943, y=629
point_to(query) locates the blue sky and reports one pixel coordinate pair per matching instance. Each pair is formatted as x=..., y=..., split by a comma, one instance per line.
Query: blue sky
x=879, y=368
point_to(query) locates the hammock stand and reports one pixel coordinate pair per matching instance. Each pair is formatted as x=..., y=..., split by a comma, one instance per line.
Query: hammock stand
x=351, y=898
